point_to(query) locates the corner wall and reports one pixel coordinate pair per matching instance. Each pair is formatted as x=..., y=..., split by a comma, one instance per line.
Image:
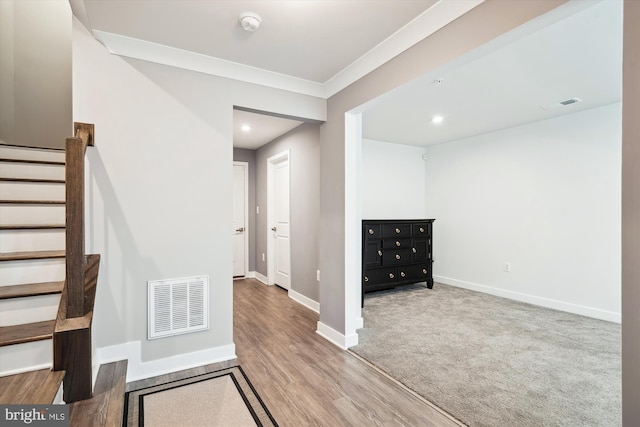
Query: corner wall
x=544, y=197
x=159, y=194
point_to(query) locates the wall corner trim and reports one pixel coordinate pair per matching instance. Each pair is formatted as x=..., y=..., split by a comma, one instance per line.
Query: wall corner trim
x=335, y=337
x=137, y=369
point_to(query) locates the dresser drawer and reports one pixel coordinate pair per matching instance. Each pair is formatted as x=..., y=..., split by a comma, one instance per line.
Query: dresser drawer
x=396, y=230
x=421, y=229
x=396, y=243
x=371, y=230
x=414, y=272
x=396, y=256
x=379, y=275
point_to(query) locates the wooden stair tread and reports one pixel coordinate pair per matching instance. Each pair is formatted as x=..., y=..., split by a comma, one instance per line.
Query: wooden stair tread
x=31, y=289
x=106, y=407
x=36, y=162
x=34, y=180
x=27, y=332
x=31, y=226
x=30, y=388
x=20, y=256
x=32, y=202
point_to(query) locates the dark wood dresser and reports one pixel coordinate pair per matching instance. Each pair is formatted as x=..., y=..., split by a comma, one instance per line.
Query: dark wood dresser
x=396, y=252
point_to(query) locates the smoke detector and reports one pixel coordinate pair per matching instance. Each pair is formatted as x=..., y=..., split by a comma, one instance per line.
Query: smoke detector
x=250, y=21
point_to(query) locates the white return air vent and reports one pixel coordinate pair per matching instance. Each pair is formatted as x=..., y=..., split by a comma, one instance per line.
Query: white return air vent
x=178, y=306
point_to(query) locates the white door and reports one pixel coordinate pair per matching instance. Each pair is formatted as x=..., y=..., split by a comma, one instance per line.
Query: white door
x=240, y=172
x=280, y=271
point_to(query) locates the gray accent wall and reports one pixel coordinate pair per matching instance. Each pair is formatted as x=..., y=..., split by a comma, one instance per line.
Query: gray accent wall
x=35, y=73
x=249, y=156
x=304, y=164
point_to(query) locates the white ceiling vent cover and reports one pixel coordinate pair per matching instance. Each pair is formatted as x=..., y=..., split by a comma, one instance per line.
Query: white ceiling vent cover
x=178, y=306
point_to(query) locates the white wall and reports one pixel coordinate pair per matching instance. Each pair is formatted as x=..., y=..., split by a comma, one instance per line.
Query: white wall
x=545, y=197
x=159, y=194
x=392, y=181
x=35, y=73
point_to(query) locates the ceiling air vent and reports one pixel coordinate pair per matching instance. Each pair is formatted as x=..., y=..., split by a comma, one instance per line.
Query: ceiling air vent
x=566, y=102
x=178, y=306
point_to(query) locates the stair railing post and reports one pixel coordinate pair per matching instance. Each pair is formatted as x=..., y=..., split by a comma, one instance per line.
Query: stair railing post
x=75, y=261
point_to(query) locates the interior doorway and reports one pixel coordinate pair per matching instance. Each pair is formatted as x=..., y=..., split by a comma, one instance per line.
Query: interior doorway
x=240, y=219
x=278, y=200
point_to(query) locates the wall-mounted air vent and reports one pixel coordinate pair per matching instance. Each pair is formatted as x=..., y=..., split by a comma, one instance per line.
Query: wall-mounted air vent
x=178, y=306
x=564, y=103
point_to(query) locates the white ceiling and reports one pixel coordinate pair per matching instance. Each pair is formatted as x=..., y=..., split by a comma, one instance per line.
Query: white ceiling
x=319, y=47
x=306, y=46
x=264, y=129
x=505, y=84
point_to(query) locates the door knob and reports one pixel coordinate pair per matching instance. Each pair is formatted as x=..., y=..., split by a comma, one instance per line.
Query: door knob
x=240, y=230
x=273, y=229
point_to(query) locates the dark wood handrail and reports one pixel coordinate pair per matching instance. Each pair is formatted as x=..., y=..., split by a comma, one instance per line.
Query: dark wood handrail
x=75, y=259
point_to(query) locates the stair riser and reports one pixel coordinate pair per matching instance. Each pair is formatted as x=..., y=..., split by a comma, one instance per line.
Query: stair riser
x=31, y=191
x=31, y=154
x=26, y=357
x=32, y=240
x=21, y=170
x=28, y=310
x=31, y=271
x=32, y=214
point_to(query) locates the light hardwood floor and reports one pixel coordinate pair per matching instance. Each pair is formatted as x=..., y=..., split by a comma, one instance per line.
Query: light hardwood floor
x=303, y=379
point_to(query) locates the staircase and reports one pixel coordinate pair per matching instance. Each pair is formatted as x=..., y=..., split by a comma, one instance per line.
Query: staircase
x=32, y=251
x=47, y=286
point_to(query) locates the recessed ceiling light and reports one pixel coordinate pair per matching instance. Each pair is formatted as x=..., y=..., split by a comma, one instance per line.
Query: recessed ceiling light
x=437, y=119
x=245, y=128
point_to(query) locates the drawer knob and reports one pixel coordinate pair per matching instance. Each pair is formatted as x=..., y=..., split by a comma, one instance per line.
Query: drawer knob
x=414, y=250
x=424, y=271
x=371, y=231
x=391, y=276
x=402, y=274
x=397, y=231
x=366, y=279
x=397, y=256
x=421, y=229
x=397, y=243
x=379, y=253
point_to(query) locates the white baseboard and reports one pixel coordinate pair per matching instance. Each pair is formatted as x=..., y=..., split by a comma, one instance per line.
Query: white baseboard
x=307, y=302
x=360, y=322
x=258, y=276
x=335, y=337
x=532, y=299
x=137, y=369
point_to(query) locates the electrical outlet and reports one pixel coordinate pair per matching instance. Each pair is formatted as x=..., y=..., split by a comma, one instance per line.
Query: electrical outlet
x=507, y=267
x=318, y=275
x=263, y=256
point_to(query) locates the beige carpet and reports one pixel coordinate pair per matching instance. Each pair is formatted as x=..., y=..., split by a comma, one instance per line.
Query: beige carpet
x=223, y=398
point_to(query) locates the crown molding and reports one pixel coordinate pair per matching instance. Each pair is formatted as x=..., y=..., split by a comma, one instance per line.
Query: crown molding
x=437, y=16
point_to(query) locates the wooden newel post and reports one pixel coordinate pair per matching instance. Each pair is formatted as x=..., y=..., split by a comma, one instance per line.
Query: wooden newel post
x=75, y=259
x=75, y=226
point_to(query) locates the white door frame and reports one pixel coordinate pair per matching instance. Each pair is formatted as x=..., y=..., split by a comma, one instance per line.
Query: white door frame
x=271, y=205
x=245, y=165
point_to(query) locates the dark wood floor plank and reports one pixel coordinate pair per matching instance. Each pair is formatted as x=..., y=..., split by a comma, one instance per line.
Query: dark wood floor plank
x=30, y=289
x=28, y=332
x=35, y=387
x=105, y=408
